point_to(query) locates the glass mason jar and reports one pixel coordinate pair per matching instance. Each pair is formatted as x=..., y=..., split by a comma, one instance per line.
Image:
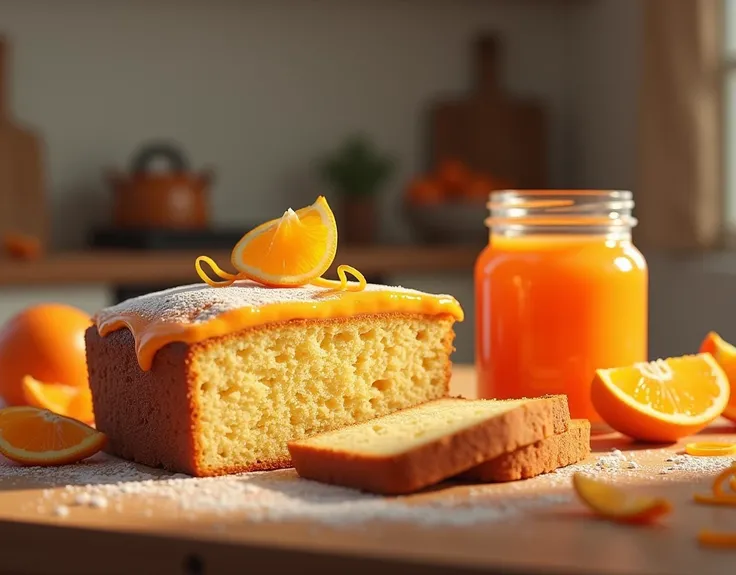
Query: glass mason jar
x=560, y=292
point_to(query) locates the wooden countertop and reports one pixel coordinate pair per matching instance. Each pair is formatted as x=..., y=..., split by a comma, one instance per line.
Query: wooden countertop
x=122, y=267
x=139, y=533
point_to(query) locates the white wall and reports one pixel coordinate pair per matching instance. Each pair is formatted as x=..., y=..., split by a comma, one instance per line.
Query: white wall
x=258, y=88
x=603, y=51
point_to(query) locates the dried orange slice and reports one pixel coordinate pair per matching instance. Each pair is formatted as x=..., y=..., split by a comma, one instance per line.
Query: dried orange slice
x=34, y=436
x=616, y=504
x=725, y=354
x=75, y=402
x=662, y=400
x=290, y=251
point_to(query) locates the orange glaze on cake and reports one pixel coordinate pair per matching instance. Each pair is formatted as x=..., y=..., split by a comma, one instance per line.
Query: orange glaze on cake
x=151, y=333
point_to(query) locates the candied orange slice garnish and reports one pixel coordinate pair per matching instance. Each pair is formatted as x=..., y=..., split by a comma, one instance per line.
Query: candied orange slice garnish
x=293, y=250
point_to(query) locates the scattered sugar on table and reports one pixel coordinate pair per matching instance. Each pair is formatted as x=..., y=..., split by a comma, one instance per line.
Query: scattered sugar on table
x=106, y=482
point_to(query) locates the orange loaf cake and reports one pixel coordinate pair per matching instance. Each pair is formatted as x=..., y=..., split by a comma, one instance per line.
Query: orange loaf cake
x=209, y=381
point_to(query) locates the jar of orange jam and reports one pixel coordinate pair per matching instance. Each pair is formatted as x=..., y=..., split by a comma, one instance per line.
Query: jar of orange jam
x=560, y=292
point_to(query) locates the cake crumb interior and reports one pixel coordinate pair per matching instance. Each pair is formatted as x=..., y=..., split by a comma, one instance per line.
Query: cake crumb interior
x=268, y=386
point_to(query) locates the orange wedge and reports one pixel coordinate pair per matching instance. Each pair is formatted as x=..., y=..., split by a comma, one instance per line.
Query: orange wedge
x=289, y=251
x=34, y=436
x=615, y=504
x=75, y=402
x=663, y=400
x=725, y=354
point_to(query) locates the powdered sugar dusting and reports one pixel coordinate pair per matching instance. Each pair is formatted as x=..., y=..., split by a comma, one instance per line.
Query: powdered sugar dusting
x=649, y=466
x=98, y=469
x=279, y=496
x=198, y=303
x=105, y=482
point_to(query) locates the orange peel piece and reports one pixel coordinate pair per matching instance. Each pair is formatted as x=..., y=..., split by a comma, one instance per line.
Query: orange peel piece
x=33, y=436
x=710, y=448
x=723, y=490
x=723, y=539
x=617, y=505
x=293, y=250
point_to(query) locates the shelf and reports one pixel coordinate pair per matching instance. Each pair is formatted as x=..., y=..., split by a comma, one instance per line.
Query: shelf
x=122, y=267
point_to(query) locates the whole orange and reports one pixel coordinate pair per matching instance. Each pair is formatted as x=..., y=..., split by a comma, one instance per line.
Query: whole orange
x=45, y=341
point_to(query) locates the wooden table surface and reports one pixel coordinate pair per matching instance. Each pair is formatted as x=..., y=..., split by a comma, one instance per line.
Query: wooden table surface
x=534, y=527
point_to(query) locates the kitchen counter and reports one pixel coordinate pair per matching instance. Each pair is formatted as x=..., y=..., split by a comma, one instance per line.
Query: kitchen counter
x=124, y=267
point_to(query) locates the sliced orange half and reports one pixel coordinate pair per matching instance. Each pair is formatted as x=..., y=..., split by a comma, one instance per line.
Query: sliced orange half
x=663, y=400
x=725, y=354
x=289, y=251
x=75, y=402
x=615, y=504
x=34, y=436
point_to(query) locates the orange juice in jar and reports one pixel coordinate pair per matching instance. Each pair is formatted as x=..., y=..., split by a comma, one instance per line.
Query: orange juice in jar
x=560, y=292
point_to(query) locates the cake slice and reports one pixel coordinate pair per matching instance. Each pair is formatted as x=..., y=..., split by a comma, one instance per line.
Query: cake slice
x=208, y=381
x=418, y=447
x=546, y=455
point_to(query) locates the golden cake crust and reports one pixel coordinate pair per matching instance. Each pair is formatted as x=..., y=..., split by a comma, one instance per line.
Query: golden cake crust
x=152, y=417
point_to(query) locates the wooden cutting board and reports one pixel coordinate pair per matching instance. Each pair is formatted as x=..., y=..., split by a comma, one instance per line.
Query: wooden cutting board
x=550, y=532
x=492, y=132
x=22, y=187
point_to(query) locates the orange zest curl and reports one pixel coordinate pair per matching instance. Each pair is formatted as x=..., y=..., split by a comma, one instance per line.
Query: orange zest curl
x=291, y=251
x=724, y=489
x=229, y=279
x=342, y=284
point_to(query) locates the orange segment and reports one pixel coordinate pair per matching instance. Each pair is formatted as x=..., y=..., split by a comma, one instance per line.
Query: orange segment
x=615, y=504
x=34, y=436
x=725, y=354
x=63, y=399
x=290, y=251
x=663, y=400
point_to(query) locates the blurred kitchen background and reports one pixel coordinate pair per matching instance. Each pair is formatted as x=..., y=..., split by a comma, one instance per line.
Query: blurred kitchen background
x=424, y=105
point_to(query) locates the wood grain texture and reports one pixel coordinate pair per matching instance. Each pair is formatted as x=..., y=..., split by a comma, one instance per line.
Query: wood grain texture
x=497, y=134
x=22, y=184
x=94, y=541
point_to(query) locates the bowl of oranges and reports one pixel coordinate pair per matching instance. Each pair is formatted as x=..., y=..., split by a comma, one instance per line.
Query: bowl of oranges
x=448, y=205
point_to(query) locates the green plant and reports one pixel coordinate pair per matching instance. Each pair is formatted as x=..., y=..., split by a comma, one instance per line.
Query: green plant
x=356, y=168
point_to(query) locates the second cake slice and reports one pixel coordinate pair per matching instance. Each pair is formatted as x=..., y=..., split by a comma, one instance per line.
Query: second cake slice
x=420, y=446
x=541, y=457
